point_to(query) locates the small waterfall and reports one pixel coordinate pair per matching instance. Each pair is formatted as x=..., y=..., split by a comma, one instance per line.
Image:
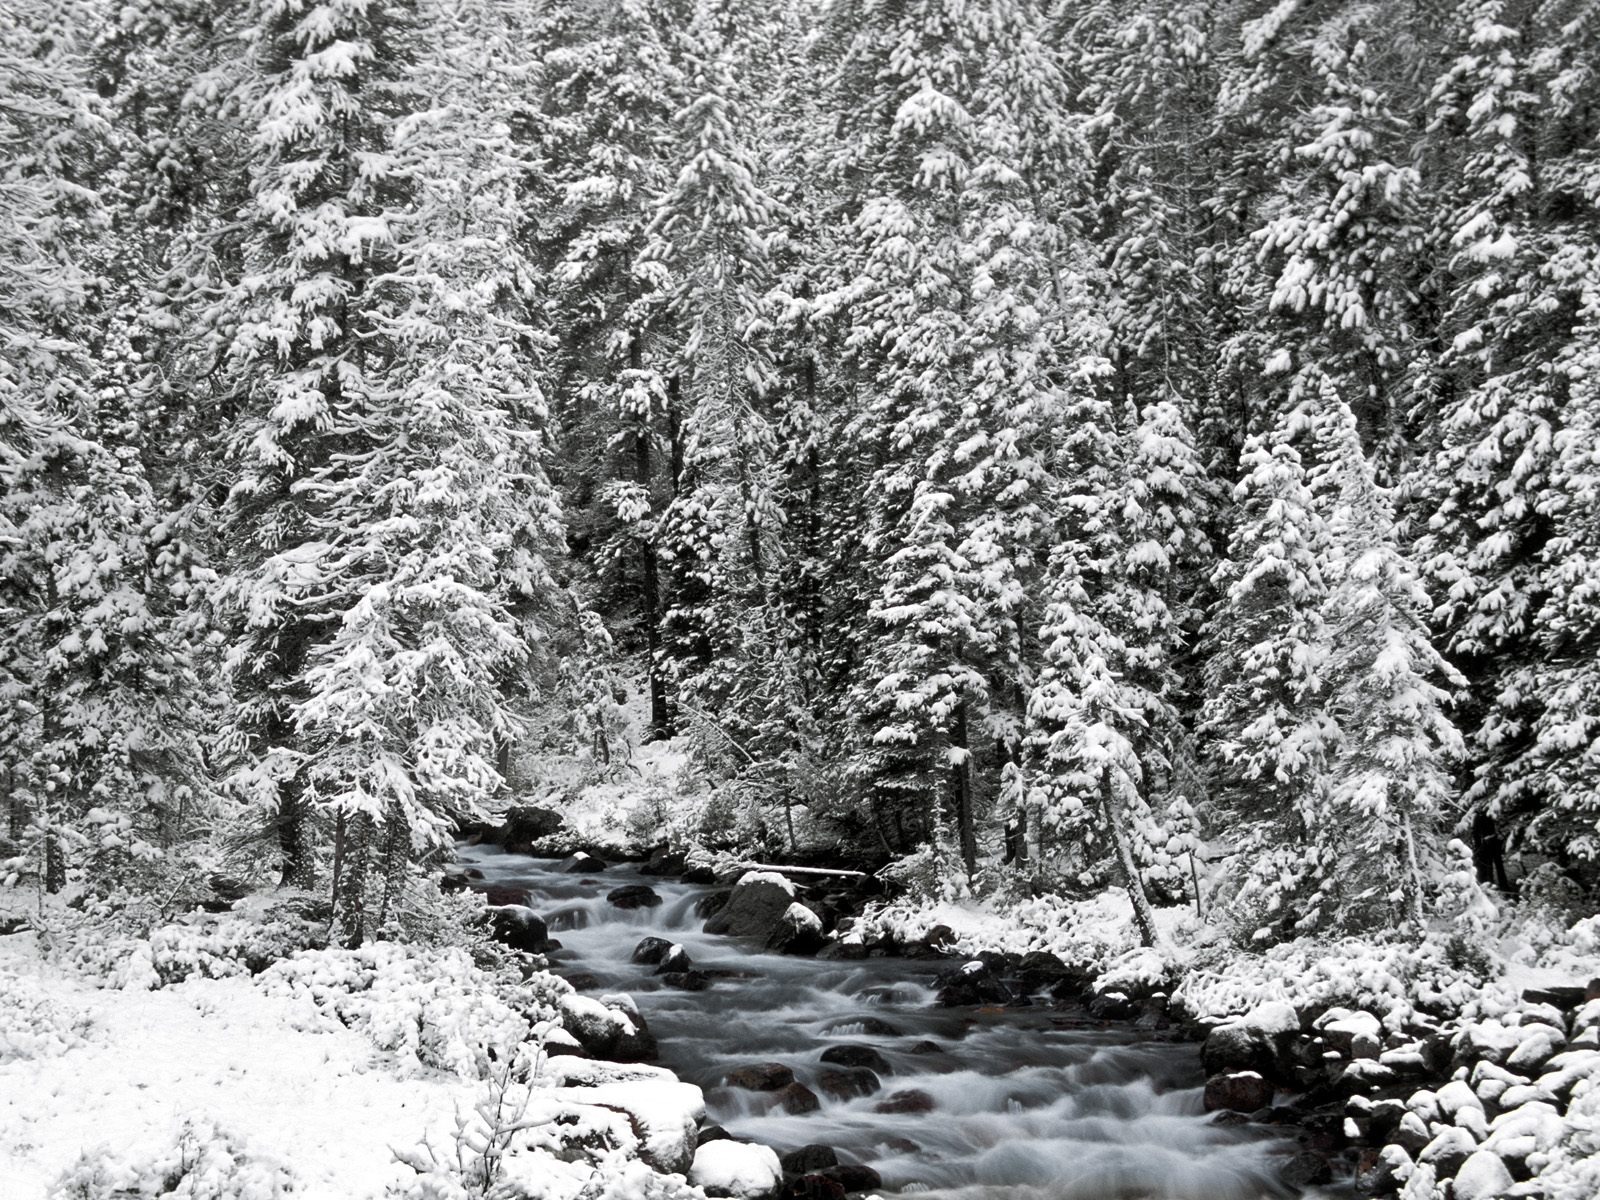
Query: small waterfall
x=1016, y=1108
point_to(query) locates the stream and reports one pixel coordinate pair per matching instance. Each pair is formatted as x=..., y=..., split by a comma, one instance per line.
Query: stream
x=1029, y=1104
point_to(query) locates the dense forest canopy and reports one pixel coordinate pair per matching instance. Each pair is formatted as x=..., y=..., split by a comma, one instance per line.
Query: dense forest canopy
x=1039, y=442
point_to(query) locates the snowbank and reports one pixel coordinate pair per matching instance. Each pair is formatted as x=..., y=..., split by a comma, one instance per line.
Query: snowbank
x=736, y=1169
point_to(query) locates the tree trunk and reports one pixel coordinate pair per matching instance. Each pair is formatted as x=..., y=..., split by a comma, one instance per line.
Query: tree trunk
x=299, y=867
x=350, y=902
x=962, y=787
x=55, y=863
x=396, y=858
x=1142, y=916
x=660, y=711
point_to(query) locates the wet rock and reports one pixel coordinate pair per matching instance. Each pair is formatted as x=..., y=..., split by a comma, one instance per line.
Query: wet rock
x=870, y=1026
x=848, y=1083
x=580, y=864
x=675, y=961
x=498, y=896
x=525, y=824
x=454, y=879
x=665, y=862
x=812, y=1187
x=473, y=873
x=699, y=876
x=925, y=1047
x=760, y=1077
x=519, y=927
x=1385, y=1170
x=1241, y=1091
x=1227, y=1118
x=798, y=931
x=633, y=895
x=901, y=1145
x=907, y=1100
x=808, y=1159
x=797, y=1099
x=1231, y=1048
x=610, y=1028
x=756, y=906
x=941, y=939
x=854, y=1055
x=1566, y=998
x=1040, y=969
x=1113, y=1006
x=971, y=984
x=1306, y=1170
x=687, y=981
x=712, y=903
x=713, y=1133
x=650, y=951
x=854, y=1177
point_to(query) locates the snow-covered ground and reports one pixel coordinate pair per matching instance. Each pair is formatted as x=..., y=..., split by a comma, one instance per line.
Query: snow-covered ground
x=130, y=1067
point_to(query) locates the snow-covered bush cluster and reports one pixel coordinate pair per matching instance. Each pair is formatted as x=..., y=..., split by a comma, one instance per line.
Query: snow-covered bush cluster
x=430, y=1008
x=209, y=946
x=33, y=1024
x=201, y=1159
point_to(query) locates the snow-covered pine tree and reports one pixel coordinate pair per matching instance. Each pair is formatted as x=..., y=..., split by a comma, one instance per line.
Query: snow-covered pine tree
x=389, y=516
x=611, y=85
x=1519, y=225
x=954, y=297
x=1265, y=722
x=1390, y=785
x=97, y=694
x=721, y=535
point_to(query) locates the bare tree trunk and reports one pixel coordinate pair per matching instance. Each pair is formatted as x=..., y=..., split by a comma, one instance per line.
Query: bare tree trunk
x=55, y=863
x=660, y=710
x=350, y=902
x=1142, y=915
x=966, y=834
x=299, y=868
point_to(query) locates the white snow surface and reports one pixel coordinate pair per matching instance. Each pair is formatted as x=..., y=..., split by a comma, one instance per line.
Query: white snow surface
x=218, y=1049
x=738, y=1169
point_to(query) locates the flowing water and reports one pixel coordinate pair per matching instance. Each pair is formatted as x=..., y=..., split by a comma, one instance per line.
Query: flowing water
x=1029, y=1104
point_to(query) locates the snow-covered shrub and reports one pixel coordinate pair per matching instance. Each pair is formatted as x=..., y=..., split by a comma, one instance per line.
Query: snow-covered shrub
x=32, y=1024
x=201, y=1159
x=428, y=1007
x=117, y=951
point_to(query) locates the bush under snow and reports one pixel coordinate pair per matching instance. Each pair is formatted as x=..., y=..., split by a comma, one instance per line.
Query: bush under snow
x=201, y=1159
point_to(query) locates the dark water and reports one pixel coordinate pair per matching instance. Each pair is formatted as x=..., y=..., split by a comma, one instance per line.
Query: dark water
x=1029, y=1104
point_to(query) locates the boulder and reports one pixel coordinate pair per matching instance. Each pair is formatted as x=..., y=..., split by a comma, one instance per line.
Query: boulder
x=854, y=1177
x=687, y=981
x=1236, y=1047
x=1482, y=1177
x=925, y=1047
x=907, y=1100
x=633, y=895
x=1306, y=1170
x=852, y=1054
x=525, y=824
x=712, y=903
x=713, y=1133
x=811, y=1187
x=505, y=895
x=454, y=879
x=580, y=863
x=1537, y=1046
x=760, y=1077
x=848, y=1083
x=665, y=862
x=650, y=951
x=610, y=1028
x=1449, y=1148
x=755, y=907
x=868, y=1026
x=1384, y=1170
x=519, y=927
x=808, y=1159
x=971, y=984
x=674, y=962
x=738, y=1170
x=663, y=1111
x=797, y=1099
x=798, y=931
x=1113, y=1006
x=1241, y=1091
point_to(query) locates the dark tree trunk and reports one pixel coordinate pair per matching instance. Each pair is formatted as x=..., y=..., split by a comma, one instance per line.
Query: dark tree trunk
x=350, y=902
x=55, y=863
x=294, y=842
x=1116, y=824
x=961, y=788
